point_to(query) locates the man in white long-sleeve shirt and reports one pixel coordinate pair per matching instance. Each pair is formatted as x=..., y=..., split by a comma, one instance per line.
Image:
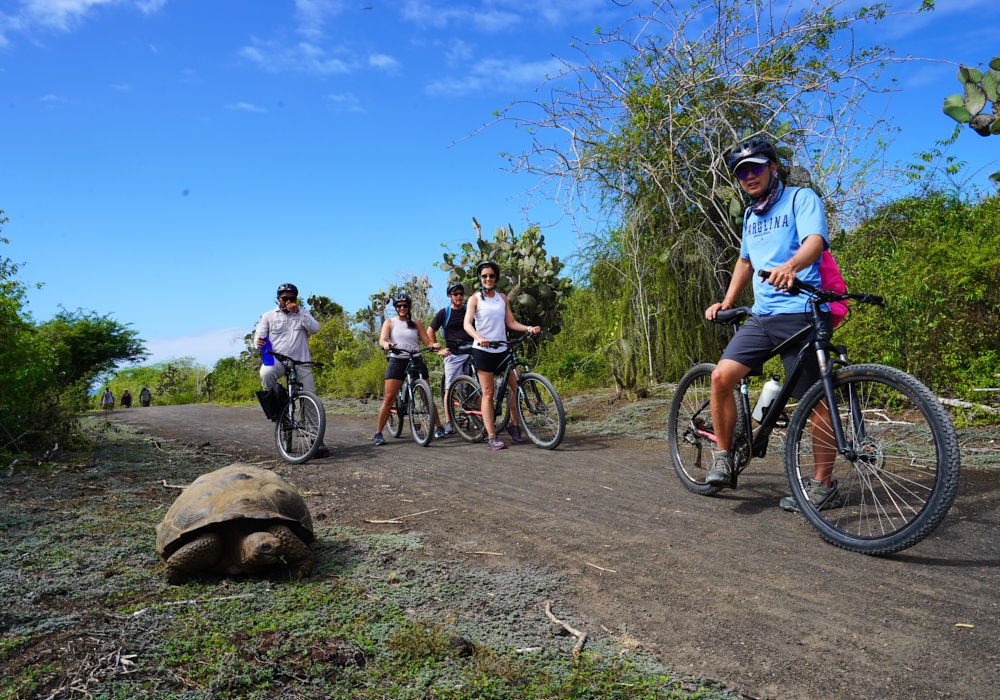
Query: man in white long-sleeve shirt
x=288, y=327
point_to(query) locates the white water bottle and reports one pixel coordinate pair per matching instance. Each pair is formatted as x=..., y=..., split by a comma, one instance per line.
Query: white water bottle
x=767, y=394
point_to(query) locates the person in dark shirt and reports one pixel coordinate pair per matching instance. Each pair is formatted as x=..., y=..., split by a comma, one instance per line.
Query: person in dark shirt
x=126, y=400
x=451, y=320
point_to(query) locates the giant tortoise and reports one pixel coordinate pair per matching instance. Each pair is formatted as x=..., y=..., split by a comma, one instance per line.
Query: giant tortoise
x=238, y=519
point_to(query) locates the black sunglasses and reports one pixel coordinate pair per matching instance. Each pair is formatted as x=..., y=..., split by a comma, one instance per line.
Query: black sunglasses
x=487, y=277
x=402, y=306
x=756, y=169
x=287, y=299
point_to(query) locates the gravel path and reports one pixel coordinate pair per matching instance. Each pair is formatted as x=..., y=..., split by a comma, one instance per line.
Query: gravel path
x=730, y=587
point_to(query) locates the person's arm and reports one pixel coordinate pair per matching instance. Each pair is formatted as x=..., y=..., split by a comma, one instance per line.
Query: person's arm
x=310, y=324
x=783, y=276
x=469, y=325
x=742, y=274
x=436, y=323
x=514, y=325
x=383, y=338
x=262, y=330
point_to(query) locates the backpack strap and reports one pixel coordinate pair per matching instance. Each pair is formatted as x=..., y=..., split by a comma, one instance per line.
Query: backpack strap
x=447, y=315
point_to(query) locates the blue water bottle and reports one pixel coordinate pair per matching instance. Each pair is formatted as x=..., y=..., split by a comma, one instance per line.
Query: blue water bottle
x=265, y=352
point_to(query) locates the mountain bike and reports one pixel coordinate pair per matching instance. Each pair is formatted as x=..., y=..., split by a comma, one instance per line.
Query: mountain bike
x=299, y=430
x=895, y=452
x=538, y=405
x=413, y=399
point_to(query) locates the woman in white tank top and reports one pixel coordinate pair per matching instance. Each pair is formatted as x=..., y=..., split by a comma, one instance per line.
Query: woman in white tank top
x=490, y=313
x=402, y=333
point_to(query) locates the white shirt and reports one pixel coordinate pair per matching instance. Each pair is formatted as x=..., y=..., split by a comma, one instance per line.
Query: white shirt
x=491, y=321
x=288, y=333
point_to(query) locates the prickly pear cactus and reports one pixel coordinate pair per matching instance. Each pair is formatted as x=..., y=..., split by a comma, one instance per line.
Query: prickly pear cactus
x=528, y=276
x=979, y=90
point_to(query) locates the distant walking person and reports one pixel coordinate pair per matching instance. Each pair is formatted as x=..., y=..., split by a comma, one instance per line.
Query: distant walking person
x=451, y=321
x=288, y=329
x=126, y=399
x=145, y=398
x=108, y=399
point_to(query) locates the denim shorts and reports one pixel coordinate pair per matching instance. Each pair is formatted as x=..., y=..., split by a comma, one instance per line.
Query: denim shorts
x=759, y=337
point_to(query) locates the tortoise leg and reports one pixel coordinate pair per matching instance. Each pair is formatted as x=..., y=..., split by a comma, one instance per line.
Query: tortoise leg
x=297, y=554
x=197, y=555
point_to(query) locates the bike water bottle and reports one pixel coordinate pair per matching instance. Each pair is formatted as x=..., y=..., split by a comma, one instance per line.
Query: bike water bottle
x=265, y=352
x=767, y=394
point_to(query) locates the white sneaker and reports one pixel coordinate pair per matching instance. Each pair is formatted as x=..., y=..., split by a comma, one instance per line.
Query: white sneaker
x=448, y=429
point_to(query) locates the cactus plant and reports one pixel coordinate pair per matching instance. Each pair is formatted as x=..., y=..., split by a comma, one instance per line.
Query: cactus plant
x=528, y=276
x=979, y=89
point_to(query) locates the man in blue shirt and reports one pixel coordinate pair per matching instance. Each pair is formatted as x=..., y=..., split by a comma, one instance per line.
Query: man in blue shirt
x=785, y=232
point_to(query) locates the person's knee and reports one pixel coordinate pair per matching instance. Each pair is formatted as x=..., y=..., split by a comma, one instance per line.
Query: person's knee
x=725, y=379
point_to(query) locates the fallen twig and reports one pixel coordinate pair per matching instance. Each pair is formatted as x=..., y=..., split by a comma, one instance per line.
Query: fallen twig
x=581, y=637
x=966, y=404
x=612, y=571
x=608, y=488
x=398, y=520
x=492, y=554
x=199, y=601
x=10, y=468
x=383, y=522
x=170, y=486
x=527, y=650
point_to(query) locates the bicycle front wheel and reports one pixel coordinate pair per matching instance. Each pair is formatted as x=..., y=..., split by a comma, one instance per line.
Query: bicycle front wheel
x=463, y=408
x=422, y=413
x=299, y=430
x=541, y=411
x=395, y=422
x=906, y=473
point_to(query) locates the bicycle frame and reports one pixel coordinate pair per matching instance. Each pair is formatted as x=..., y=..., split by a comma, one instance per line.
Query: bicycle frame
x=511, y=365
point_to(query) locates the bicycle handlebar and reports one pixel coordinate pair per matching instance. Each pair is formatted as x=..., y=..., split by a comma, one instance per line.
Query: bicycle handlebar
x=398, y=350
x=286, y=360
x=497, y=343
x=826, y=295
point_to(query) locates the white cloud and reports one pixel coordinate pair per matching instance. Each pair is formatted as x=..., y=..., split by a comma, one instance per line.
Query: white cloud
x=312, y=15
x=497, y=74
x=246, y=107
x=303, y=57
x=120, y=86
x=458, y=52
x=345, y=102
x=206, y=348
x=53, y=98
x=386, y=63
x=62, y=15
x=497, y=15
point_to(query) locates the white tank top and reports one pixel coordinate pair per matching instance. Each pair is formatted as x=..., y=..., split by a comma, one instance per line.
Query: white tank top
x=491, y=321
x=402, y=337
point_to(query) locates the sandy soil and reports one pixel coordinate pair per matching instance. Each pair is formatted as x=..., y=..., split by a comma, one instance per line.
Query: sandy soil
x=730, y=587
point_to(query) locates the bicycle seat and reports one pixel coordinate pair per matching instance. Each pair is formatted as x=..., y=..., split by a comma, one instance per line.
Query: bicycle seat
x=732, y=315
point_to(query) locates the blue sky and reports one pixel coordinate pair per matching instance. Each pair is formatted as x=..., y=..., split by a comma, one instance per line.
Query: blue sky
x=172, y=161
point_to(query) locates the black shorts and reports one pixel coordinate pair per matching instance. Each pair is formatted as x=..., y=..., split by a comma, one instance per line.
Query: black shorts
x=489, y=361
x=397, y=368
x=759, y=337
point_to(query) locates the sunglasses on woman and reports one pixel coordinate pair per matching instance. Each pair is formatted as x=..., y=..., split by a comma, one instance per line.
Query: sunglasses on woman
x=756, y=169
x=487, y=277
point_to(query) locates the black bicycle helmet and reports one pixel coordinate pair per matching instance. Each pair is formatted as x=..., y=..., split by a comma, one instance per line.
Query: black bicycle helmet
x=400, y=298
x=755, y=150
x=454, y=287
x=288, y=288
x=485, y=264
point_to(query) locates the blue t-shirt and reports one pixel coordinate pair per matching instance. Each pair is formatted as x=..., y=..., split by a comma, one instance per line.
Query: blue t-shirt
x=772, y=239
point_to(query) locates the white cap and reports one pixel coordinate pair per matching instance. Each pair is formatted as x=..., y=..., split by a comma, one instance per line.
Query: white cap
x=751, y=159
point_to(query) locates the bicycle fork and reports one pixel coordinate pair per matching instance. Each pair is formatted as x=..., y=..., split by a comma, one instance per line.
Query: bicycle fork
x=857, y=419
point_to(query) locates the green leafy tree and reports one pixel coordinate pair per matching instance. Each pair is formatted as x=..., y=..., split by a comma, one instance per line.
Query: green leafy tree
x=528, y=275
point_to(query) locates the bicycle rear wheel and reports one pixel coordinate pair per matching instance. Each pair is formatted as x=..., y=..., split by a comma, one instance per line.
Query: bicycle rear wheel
x=690, y=432
x=395, y=422
x=463, y=408
x=422, y=413
x=299, y=430
x=541, y=411
x=906, y=475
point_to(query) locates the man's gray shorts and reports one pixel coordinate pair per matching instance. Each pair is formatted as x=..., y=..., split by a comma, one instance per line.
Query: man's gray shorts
x=757, y=339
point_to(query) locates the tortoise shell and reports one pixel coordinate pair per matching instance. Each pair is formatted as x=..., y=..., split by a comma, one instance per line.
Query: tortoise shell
x=238, y=492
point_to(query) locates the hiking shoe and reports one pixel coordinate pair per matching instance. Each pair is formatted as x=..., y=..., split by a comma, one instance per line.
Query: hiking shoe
x=322, y=453
x=515, y=434
x=440, y=433
x=823, y=497
x=722, y=470
x=449, y=429
x=496, y=443
x=379, y=440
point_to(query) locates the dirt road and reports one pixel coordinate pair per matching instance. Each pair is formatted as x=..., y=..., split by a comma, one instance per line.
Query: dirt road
x=730, y=587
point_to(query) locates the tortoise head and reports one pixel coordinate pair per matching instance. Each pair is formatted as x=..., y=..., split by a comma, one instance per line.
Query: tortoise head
x=259, y=549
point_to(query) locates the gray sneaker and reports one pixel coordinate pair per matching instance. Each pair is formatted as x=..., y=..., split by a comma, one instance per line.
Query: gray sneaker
x=823, y=497
x=449, y=429
x=722, y=470
x=496, y=443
